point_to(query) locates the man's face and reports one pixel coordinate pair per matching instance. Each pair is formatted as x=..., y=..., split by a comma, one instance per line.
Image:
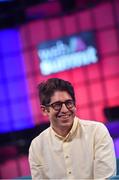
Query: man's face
x=64, y=117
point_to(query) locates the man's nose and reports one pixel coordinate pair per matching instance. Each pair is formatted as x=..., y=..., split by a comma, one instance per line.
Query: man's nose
x=64, y=108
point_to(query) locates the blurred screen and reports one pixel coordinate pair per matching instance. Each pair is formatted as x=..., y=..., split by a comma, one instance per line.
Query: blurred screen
x=67, y=53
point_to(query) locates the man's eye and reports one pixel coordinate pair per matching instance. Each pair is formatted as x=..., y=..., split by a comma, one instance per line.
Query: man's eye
x=57, y=104
x=69, y=102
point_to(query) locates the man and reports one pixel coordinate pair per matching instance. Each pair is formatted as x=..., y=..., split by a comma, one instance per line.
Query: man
x=70, y=148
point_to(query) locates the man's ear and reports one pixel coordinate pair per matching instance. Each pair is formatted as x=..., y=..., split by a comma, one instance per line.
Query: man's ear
x=44, y=110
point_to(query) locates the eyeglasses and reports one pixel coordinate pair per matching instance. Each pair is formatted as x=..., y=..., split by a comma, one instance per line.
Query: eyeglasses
x=58, y=105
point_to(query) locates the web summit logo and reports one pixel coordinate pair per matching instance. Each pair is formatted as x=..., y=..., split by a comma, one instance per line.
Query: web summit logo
x=67, y=53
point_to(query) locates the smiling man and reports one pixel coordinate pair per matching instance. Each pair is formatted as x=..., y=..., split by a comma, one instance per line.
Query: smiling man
x=71, y=148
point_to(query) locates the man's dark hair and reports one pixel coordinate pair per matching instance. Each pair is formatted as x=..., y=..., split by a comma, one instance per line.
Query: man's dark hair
x=47, y=88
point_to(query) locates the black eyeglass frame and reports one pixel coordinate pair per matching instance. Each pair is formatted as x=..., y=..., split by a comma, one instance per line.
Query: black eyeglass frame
x=68, y=103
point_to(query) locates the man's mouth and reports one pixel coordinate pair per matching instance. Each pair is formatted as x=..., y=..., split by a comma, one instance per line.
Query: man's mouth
x=64, y=116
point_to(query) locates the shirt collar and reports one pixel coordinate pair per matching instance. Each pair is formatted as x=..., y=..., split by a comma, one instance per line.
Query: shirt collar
x=71, y=133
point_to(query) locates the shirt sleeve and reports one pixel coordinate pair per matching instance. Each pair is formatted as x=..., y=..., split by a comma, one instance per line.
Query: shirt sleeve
x=104, y=158
x=36, y=167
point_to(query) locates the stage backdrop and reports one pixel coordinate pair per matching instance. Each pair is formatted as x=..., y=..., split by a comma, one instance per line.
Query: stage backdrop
x=96, y=84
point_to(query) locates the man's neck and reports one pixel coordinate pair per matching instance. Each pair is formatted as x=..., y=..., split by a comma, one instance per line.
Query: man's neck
x=62, y=131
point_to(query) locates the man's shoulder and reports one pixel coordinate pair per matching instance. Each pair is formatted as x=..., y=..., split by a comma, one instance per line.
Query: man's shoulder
x=91, y=123
x=41, y=136
x=94, y=127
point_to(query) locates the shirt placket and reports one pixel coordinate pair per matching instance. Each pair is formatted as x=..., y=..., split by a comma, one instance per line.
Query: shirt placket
x=67, y=158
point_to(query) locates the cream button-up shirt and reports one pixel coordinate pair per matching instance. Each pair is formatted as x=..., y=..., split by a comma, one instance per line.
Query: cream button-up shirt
x=87, y=152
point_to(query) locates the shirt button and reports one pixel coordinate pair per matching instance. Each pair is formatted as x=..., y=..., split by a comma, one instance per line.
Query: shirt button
x=66, y=157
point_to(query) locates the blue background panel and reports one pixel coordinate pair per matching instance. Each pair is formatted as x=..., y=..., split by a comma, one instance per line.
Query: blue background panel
x=17, y=90
x=9, y=41
x=3, y=97
x=5, y=123
x=13, y=66
x=21, y=115
x=15, y=112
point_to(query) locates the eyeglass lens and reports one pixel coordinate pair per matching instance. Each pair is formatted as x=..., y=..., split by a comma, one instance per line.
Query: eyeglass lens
x=58, y=105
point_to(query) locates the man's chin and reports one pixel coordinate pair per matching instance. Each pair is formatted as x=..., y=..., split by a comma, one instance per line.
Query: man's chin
x=66, y=123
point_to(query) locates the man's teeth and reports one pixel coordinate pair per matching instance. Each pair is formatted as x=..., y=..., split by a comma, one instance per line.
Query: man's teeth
x=64, y=116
